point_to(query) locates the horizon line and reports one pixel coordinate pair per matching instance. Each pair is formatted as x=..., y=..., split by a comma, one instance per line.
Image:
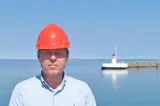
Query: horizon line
x=84, y=58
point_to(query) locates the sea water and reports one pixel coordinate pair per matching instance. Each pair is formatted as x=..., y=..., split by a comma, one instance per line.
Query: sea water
x=140, y=87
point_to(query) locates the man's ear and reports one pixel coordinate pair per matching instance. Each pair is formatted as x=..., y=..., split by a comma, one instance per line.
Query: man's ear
x=67, y=52
x=38, y=54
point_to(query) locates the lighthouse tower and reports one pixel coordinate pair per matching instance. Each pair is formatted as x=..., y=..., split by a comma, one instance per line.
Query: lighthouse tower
x=114, y=60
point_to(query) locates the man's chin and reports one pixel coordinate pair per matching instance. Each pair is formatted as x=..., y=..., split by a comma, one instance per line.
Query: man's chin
x=54, y=72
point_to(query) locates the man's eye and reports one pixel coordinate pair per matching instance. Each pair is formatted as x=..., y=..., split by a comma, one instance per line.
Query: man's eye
x=59, y=53
x=47, y=52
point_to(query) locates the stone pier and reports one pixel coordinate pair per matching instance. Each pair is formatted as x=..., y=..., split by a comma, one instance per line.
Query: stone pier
x=143, y=64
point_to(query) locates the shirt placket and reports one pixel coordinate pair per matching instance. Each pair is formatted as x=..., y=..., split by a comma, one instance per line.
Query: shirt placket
x=54, y=92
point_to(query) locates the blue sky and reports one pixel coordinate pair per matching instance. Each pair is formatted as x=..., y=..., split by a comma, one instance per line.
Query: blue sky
x=93, y=27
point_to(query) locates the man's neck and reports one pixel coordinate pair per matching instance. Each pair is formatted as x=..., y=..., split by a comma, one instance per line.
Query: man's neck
x=53, y=81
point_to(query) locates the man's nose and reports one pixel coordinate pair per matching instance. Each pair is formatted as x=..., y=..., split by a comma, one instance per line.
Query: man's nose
x=53, y=57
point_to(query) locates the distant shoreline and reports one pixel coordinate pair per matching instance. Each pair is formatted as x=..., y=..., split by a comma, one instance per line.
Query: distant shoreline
x=84, y=59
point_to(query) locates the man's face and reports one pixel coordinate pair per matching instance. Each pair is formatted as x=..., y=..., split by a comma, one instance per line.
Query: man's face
x=53, y=61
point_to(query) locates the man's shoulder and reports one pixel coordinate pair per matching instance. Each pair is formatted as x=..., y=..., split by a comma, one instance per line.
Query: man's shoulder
x=28, y=82
x=77, y=82
x=80, y=86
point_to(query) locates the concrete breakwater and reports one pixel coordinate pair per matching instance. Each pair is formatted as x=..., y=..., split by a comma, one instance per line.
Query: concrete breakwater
x=143, y=64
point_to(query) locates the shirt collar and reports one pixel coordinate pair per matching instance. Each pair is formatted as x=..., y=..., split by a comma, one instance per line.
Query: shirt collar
x=60, y=87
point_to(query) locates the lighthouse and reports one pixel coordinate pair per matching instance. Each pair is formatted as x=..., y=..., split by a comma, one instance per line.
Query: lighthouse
x=114, y=60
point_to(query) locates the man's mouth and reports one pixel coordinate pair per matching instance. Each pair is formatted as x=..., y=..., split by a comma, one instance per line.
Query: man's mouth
x=53, y=65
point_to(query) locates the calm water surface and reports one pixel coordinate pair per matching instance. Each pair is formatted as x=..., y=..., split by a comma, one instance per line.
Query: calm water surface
x=139, y=87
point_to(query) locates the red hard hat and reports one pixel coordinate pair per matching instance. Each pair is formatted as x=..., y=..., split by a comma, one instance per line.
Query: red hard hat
x=52, y=37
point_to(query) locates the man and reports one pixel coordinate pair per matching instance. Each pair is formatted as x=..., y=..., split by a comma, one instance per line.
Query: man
x=52, y=87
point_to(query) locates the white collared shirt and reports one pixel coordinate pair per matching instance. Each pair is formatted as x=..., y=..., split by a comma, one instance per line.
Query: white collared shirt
x=36, y=92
